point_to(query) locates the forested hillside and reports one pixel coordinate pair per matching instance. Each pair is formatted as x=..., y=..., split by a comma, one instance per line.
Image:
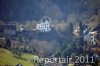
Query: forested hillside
x=75, y=31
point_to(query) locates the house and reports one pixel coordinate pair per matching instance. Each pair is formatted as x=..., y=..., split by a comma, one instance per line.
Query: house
x=44, y=25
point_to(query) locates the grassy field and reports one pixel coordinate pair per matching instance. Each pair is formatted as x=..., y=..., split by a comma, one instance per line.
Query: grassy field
x=7, y=57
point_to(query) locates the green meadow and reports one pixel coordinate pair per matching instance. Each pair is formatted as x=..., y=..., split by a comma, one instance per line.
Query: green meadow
x=8, y=58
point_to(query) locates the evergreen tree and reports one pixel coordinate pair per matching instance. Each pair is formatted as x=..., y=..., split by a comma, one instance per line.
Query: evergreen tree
x=8, y=43
x=70, y=29
x=81, y=38
x=80, y=29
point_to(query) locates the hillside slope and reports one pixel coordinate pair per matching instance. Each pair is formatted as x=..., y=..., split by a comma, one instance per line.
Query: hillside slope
x=7, y=58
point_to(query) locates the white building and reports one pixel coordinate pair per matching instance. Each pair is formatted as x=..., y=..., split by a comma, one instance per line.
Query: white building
x=21, y=28
x=44, y=25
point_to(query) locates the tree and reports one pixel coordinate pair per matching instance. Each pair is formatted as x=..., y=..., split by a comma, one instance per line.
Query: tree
x=8, y=43
x=17, y=52
x=80, y=29
x=81, y=37
x=80, y=40
x=65, y=53
x=19, y=38
x=73, y=56
x=57, y=53
x=69, y=32
x=70, y=28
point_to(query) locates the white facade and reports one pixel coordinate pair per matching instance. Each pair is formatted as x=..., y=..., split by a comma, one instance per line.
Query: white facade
x=21, y=28
x=43, y=26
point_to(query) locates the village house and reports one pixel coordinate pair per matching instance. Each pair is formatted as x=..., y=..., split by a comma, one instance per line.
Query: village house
x=44, y=25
